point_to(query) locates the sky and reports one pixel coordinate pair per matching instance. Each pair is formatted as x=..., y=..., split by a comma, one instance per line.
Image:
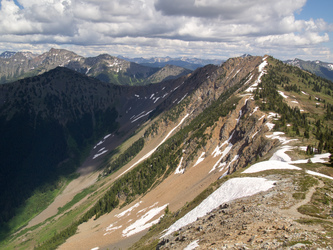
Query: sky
x=215, y=29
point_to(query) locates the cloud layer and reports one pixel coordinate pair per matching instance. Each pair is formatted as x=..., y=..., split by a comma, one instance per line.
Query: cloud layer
x=205, y=28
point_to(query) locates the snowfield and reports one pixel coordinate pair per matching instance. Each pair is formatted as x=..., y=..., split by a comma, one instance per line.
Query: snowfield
x=269, y=165
x=230, y=190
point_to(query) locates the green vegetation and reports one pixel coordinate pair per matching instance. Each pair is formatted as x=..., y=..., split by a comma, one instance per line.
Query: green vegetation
x=125, y=157
x=156, y=168
x=77, y=198
x=314, y=126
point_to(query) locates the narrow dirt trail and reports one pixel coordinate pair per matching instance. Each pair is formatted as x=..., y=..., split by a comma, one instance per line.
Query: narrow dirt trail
x=293, y=211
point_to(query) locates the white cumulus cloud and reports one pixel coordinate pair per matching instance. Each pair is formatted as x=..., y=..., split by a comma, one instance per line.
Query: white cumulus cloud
x=200, y=27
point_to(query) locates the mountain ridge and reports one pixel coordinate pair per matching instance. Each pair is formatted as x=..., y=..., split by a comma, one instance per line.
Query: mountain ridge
x=322, y=69
x=107, y=68
x=215, y=122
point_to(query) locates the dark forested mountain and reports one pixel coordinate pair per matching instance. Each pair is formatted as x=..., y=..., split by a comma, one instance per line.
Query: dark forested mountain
x=104, y=67
x=319, y=68
x=165, y=153
x=47, y=121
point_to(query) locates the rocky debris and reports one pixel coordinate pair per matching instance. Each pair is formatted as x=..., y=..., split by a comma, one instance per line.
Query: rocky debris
x=251, y=223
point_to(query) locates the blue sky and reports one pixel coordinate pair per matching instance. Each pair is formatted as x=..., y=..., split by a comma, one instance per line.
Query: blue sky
x=217, y=29
x=316, y=9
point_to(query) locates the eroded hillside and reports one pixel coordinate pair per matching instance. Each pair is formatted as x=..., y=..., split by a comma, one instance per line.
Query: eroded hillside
x=225, y=119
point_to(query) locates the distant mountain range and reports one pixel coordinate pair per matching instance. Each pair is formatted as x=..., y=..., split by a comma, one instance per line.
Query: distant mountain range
x=184, y=62
x=322, y=69
x=18, y=65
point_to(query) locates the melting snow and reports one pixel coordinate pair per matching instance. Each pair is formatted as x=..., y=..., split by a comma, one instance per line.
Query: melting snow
x=128, y=210
x=319, y=174
x=262, y=117
x=262, y=72
x=101, y=153
x=178, y=171
x=230, y=190
x=282, y=94
x=111, y=228
x=236, y=73
x=193, y=245
x=234, y=159
x=224, y=153
x=182, y=98
x=255, y=134
x=141, y=116
x=280, y=160
x=240, y=115
x=200, y=159
x=107, y=136
x=304, y=93
x=156, y=99
x=152, y=151
x=269, y=165
x=270, y=125
x=142, y=223
x=254, y=110
x=101, y=149
x=276, y=135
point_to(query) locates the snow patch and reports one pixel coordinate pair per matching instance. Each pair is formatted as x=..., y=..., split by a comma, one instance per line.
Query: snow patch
x=240, y=115
x=319, y=174
x=141, y=116
x=255, y=134
x=182, y=98
x=99, y=154
x=262, y=117
x=143, y=223
x=128, y=210
x=304, y=93
x=270, y=125
x=234, y=159
x=236, y=73
x=276, y=135
x=269, y=165
x=283, y=94
x=178, y=171
x=254, y=110
x=193, y=245
x=261, y=70
x=111, y=228
x=230, y=190
x=153, y=150
x=107, y=136
x=200, y=159
x=156, y=99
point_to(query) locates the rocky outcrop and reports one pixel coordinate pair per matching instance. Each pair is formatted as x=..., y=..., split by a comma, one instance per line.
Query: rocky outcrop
x=256, y=222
